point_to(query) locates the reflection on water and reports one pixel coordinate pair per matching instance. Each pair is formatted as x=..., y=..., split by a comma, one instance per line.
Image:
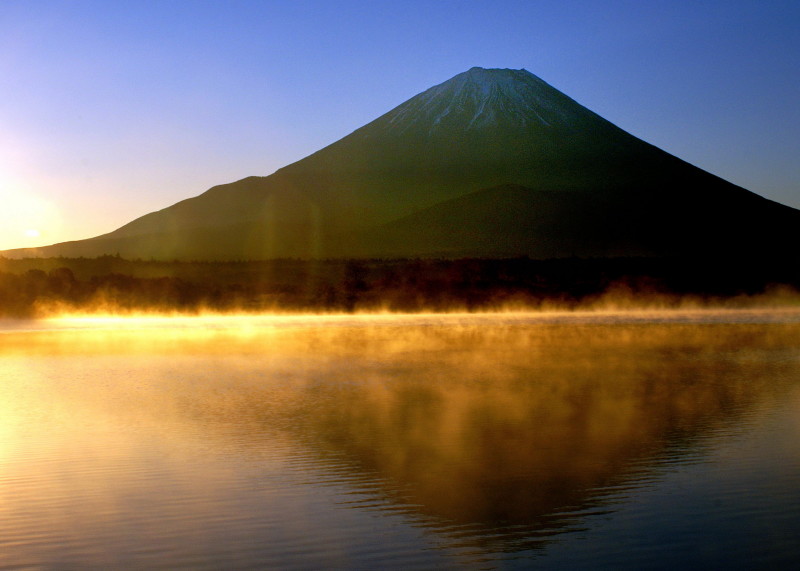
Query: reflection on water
x=395, y=441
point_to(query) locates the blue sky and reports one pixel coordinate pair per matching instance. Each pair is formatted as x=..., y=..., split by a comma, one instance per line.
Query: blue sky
x=110, y=110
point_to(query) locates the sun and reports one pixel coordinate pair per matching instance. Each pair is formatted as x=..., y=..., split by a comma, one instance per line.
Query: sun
x=25, y=218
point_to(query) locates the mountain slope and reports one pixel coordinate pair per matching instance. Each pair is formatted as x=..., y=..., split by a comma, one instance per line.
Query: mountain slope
x=513, y=220
x=443, y=173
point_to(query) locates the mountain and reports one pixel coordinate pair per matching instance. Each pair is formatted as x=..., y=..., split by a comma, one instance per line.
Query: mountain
x=491, y=163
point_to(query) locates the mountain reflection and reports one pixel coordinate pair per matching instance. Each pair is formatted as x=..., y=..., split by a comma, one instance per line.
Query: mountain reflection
x=488, y=427
x=504, y=426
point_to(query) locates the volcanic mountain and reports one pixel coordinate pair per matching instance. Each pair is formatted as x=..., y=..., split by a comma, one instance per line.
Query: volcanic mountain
x=491, y=163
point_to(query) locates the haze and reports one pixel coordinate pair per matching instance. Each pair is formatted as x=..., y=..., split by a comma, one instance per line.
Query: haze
x=111, y=111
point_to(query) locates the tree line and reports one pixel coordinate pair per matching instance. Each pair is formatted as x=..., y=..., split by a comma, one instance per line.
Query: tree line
x=35, y=287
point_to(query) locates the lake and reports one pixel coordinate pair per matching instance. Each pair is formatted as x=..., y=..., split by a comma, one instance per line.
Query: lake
x=555, y=441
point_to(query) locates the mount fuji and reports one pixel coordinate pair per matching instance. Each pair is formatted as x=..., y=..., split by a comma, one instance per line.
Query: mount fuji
x=491, y=163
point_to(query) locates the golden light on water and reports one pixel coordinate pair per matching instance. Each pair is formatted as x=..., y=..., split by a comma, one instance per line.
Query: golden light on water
x=234, y=320
x=150, y=430
x=167, y=296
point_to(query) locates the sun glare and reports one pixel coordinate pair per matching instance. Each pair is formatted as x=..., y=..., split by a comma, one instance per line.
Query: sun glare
x=25, y=218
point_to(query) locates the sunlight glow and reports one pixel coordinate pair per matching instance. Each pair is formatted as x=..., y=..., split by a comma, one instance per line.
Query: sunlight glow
x=245, y=322
x=25, y=218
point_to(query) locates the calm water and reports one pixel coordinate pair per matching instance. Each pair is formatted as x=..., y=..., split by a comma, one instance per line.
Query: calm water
x=667, y=440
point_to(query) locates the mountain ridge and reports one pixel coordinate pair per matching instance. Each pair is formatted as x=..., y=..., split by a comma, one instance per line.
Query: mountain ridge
x=480, y=130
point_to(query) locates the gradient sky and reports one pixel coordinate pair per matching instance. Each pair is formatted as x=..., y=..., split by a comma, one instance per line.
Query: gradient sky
x=110, y=110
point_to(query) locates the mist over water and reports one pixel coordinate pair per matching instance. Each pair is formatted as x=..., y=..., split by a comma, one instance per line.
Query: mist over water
x=401, y=441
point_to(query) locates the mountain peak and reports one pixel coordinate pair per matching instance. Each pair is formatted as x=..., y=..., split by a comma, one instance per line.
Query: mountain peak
x=493, y=72
x=489, y=81
x=481, y=97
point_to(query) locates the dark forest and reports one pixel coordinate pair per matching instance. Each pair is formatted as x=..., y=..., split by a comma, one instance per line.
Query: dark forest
x=38, y=287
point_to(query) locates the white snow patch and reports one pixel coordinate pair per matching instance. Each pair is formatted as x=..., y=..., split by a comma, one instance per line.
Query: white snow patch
x=490, y=96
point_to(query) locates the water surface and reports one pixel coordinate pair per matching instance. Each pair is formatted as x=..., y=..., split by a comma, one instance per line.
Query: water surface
x=618, y=440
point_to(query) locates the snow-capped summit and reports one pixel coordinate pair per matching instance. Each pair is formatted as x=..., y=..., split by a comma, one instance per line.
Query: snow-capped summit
x=480, y=97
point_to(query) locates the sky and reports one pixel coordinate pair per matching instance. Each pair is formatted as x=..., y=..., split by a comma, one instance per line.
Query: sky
x=111, y=110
